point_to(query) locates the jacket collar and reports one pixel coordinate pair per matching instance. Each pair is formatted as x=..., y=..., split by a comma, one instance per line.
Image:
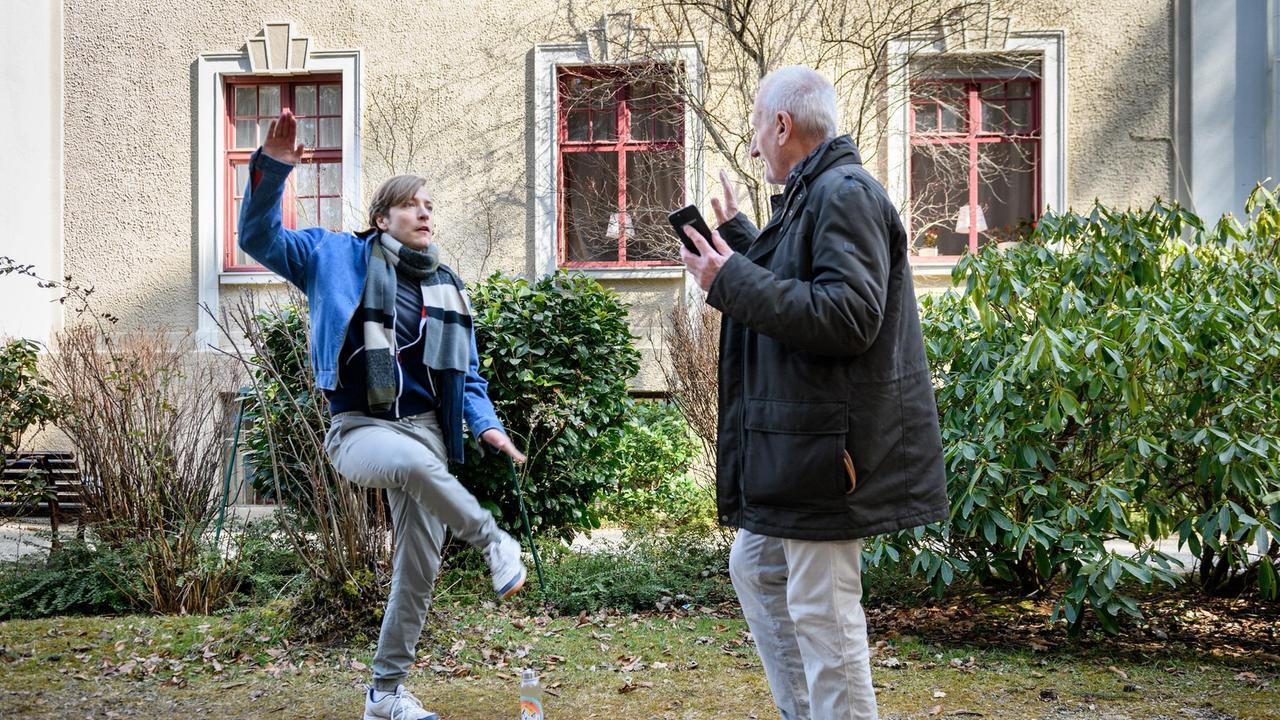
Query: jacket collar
x=836, y=151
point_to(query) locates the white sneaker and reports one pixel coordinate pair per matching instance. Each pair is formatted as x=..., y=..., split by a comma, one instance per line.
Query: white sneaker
x=505, y=566
x=399, y=705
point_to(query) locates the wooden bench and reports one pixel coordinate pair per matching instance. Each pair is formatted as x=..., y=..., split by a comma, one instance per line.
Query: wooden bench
x=58, y=470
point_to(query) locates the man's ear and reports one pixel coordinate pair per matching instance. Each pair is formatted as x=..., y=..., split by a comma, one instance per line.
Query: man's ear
x=381, y=221
x=783, y=127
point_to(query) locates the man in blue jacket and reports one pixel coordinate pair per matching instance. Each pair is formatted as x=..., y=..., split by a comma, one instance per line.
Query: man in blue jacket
x=393, y=349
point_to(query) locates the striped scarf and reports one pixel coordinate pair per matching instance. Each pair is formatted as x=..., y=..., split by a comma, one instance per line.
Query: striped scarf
x=446, y=316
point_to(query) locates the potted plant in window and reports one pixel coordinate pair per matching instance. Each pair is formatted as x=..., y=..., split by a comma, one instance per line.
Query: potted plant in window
x=928, y=244
x=1009, y=236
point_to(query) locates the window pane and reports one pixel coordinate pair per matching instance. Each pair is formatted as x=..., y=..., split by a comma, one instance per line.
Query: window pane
x=641, y=124
x=307, y=132
x=992, y=90
x=246, y=100
x=1019, y=115
x=939, y=188
x=331, y=213
x=590, y=202
x=926, y=117
x=330, y=178
x=1019, y=89
x=992, y=117
x=953, y=101
x=645, y=93
x=1006, y=189
x=667, y=125
x=264, y=127
x=242, y=179
x=579, y=126
x=330, y=100
x=330, y=132
x=269, y=100
x=242, y=258
x=602, y=94
x=306, y=211
x=235, y=214
x=304, y=100
x=953, y=119
x=604, y=126
x=575, y=92
x=305, y=179
x=654, y=189
x=246, y=134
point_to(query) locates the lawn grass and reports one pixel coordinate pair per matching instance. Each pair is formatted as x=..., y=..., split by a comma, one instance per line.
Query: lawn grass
x=699, y=664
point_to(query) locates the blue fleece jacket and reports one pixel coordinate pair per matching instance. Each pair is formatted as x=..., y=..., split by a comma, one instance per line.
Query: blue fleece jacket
x=330, y=269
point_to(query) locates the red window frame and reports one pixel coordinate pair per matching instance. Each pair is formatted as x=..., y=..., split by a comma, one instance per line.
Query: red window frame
x=973, y=136
x=623, y=144
x=233, y=157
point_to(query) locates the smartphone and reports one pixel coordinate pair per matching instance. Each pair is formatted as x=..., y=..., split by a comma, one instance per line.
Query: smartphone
x=689, y=215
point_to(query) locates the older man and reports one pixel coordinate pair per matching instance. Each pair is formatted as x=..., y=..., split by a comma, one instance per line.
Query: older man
x=828, y=430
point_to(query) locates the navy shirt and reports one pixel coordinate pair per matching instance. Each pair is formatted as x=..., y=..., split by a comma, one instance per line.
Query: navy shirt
x=415, y=386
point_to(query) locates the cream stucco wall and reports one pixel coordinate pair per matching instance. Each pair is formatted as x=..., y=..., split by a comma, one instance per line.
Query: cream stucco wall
x=1120, y=80
x=131, y=128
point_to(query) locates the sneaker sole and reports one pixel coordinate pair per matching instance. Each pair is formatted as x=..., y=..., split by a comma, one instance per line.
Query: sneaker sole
x=367, y=716
x=513, y=587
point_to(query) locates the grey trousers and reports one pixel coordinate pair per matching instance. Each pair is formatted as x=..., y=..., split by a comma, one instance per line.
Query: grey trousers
x=803, y=602
x=407, y=457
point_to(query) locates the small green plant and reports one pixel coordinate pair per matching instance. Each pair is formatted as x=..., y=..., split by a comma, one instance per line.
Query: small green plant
x=75, y=579
x=269, y=567
x=645, y=571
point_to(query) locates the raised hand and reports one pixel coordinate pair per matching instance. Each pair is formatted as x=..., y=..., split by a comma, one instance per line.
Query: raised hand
x=726, y=209
x=281, y=143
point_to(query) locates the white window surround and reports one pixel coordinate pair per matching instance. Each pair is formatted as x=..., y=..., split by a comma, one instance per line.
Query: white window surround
x=546, y=59
x=1050, y=46
x=211, y=70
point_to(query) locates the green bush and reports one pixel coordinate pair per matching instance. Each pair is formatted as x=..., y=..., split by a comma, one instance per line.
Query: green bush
x=654, y=488
x=26, y=400
x=1114, y=377
x=282, y=415
x=75, y=579
x=270, y=568
x=557, y=354
x=26, y=403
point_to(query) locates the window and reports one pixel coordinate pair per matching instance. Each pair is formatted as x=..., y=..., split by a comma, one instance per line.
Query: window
x=620, y=164
x=313, y=196
x=975, y=163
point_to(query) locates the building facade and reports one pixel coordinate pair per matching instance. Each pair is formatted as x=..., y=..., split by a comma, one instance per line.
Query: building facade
x=557, y=135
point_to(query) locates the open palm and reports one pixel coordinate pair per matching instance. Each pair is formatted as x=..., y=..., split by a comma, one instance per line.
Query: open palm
x=727, y=208
x=282, y=140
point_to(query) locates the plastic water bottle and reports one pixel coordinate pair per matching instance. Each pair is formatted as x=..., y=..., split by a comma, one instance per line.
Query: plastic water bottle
x=530, y=696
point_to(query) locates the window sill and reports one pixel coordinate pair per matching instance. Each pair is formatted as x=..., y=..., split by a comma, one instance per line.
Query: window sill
x=637, y=273
x=933, y=267
x=250, y=278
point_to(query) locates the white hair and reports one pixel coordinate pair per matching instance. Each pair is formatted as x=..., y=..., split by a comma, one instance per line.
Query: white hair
x=808, y=97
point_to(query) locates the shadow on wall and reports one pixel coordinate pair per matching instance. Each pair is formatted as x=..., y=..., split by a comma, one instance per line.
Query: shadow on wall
x=1132, y=122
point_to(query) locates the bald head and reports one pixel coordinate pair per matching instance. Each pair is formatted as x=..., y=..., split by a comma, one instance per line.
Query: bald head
x=808, y=97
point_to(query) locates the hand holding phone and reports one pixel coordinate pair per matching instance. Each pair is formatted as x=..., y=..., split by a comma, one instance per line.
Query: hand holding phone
x=689, y=215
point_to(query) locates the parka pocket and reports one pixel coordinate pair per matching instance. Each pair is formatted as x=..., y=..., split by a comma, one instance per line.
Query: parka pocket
x=795, y=454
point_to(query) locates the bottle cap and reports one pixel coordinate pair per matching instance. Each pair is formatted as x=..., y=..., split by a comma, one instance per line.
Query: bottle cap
x=528, y=674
